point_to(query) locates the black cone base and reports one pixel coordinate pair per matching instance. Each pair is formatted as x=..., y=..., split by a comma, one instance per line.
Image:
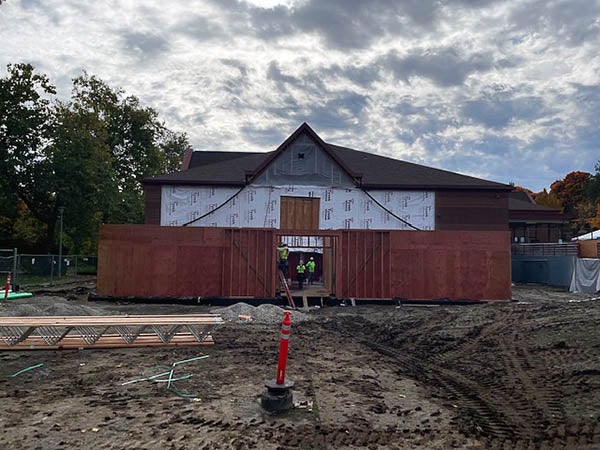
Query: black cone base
x=278, y=397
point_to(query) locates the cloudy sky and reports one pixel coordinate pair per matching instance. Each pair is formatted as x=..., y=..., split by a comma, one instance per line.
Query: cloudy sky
x=505, y=90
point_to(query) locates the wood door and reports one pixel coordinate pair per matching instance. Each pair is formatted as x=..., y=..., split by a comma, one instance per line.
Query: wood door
x=299, y=213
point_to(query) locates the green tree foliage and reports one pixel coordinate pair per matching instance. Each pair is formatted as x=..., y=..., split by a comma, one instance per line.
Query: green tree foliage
x=26, y=129
x=88, y=155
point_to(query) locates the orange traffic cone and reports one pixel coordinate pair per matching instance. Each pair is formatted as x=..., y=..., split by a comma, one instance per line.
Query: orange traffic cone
x=7, y=287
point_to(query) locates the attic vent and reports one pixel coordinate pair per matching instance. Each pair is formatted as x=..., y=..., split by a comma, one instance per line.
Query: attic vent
x=300, y=155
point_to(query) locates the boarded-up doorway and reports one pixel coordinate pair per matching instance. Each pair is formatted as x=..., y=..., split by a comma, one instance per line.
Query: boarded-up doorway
x=299, y=213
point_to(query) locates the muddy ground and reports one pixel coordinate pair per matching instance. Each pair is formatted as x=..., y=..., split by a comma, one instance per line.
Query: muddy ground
x=519, y=375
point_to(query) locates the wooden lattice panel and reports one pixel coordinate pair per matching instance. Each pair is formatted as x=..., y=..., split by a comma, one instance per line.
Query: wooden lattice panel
x=68, y=332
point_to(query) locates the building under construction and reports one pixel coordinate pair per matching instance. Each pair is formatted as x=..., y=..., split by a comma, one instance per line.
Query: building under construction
x=379, y=228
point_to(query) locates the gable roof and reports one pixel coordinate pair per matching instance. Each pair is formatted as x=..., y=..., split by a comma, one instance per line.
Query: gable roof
x=304, y=128
x=369, y=170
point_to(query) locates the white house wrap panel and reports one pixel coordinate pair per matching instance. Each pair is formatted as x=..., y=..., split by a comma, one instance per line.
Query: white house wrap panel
x=259, y=206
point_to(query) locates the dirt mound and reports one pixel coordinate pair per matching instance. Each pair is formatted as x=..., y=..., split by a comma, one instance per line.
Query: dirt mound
x=263, y=314
x=48, y=306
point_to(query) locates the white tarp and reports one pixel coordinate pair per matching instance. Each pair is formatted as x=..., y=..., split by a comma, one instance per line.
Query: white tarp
x=258, y=206
x=586, y=276
x=587, y=236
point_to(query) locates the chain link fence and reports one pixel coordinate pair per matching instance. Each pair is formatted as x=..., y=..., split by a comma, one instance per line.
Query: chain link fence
x=30, y=270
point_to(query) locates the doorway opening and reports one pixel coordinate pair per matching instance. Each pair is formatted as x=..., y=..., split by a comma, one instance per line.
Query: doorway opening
x=321, y=247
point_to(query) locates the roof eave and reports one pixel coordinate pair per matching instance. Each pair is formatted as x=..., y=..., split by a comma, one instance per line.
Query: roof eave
x=432, y=187
x=194, y=183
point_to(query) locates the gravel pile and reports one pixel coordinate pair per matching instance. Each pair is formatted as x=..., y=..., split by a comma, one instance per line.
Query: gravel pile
x=47, y=306
x=264, y=314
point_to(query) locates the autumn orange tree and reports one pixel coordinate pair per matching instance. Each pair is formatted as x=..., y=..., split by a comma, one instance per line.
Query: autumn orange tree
x=573, y=193
x=594, y=194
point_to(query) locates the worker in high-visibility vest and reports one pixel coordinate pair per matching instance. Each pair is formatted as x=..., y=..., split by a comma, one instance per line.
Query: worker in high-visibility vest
x=300, y=269
x=284, y=252
x=310, y=266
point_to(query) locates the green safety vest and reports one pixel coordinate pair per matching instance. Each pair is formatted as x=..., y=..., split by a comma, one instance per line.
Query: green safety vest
x=300, y=268
x=311, y=266
x=283, y=253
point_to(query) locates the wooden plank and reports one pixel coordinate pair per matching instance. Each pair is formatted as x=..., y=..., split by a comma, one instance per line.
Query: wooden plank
x=191, y=319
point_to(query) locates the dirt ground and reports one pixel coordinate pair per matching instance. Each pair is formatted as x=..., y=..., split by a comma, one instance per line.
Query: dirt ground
x=518, y=375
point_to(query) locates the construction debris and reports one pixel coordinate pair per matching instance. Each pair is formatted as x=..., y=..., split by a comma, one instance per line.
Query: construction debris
x=170, y=379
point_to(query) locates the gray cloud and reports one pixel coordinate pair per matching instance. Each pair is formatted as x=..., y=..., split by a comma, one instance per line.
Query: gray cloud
x=497, y=111
x=444, y=66
x=265, y=137
x=351, y=24
x=199, y=28
x=275, y=74
x=570, y=22
x=144, y=44
x=340, y=112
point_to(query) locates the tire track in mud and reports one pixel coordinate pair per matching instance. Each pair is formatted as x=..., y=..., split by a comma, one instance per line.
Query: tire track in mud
x=519, y=408
x=485, y=417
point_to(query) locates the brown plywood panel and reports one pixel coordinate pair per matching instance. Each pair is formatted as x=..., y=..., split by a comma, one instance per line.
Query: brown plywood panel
x=173, y=261
x=299, y=213
x=364, y=261
x=588, y=248
x=179, y=261
x=454, y=265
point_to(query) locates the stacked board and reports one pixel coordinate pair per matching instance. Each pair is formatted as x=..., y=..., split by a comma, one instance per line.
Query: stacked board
x=77, y=332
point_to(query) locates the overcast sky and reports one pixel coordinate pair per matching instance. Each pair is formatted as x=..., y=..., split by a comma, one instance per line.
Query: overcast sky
x=505, y=90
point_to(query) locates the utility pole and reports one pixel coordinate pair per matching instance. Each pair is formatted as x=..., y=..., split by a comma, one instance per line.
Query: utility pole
x=61, y=209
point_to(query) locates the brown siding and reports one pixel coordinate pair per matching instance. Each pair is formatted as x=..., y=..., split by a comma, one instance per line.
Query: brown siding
x=363, y=264
x=152, y=198
x=424, y=265
x=144, y=260
x=148, y=260
x=470, y=210
x=449, y=264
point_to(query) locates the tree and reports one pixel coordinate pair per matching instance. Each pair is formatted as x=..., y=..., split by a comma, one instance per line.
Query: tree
x=88, y=155
x=139, y=144
x=594, y=195
x=573, y=193
x=547, y=199
x=26, y=128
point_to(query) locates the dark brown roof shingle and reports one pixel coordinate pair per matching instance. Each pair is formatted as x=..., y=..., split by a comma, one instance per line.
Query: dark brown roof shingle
x=378, y=172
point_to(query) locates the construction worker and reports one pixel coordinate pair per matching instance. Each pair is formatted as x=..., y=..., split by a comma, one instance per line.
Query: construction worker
x=300, y=269
x=310, y=266
x=284, y=252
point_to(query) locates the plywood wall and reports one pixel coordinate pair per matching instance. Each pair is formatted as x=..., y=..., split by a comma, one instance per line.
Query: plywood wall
x=146, y=260
x=154, y=261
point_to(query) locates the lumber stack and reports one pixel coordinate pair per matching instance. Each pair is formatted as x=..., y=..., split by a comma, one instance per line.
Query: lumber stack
x=75, y=332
